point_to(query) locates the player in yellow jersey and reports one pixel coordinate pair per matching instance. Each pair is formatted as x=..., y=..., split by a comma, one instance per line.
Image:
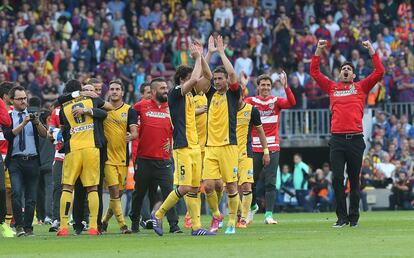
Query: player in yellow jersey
x=186, y=149
x=120, y=128
x=221, y=158
x=247, y=118
x=82, y=140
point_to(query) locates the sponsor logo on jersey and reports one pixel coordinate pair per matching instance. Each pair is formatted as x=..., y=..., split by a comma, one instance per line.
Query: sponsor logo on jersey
x=82, y=128
x=343, y=93
x=157, y=114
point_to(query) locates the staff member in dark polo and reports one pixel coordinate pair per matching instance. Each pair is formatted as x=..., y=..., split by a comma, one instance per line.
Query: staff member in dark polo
x=347, y=99
x=22, y=159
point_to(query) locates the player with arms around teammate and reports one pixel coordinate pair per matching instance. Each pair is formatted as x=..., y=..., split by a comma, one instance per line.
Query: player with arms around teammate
x=269, y=108
x=186, y=149
x=82, y=140
x=347, y=99
x=221, y=153
x=120, y=127
x=248, y=117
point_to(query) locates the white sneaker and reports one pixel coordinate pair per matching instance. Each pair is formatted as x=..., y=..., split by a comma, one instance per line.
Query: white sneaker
x=48, y=221
x=251, y=213
x=270, y=220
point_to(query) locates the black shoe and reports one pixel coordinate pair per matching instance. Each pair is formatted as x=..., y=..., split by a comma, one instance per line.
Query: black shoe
x=29, y=232
x=147, y=224
x=175, y=229
x=353, y=224
x=78, y=231
x=135, y=227
x=103, y=228
x=20, y=231
x=340, y=223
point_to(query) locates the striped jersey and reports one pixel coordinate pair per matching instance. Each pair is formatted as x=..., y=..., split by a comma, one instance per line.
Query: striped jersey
x=270, y=109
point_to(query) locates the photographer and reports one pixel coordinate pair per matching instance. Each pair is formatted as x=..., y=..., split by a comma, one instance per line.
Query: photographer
x=22, y=159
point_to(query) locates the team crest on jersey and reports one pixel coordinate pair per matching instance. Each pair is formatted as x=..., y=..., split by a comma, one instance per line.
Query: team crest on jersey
x=124, y=114
x=249, y=173
x=246, y=114
x=271, y=105
x=235, y=170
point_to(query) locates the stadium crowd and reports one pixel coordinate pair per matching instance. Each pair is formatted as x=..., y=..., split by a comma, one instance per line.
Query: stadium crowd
x=43, y=44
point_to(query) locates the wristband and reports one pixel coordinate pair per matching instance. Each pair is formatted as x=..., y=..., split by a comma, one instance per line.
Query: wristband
x=266, y=151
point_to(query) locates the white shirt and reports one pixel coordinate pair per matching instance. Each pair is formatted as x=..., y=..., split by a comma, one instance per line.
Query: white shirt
x=245, y=65
x=333, y=28
x=221, y=15
x=386, y=168
x=97, y=44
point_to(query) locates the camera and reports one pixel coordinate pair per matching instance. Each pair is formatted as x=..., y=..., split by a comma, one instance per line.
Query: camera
x=33, y=112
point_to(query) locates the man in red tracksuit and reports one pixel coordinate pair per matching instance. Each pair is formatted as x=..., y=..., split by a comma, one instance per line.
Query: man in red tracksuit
x=347, y=99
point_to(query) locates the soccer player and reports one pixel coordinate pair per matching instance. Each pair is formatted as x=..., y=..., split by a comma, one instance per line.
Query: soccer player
x=153, y=164
x=269, y=108
x=347, y=99
x=5, y=87
x=5, y=121
x=221, y=157
x=82, y=140
x=247, y=118
x=187, y=153
x=120, y=128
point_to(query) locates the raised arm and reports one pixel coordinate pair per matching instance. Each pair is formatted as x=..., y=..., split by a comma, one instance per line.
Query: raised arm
x=195, y=75
x=369, y=82
x=227, y=65
x=290, y=101
x=315, y=71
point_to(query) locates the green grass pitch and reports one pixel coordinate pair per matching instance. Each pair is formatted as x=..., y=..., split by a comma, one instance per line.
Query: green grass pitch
x=380, y=234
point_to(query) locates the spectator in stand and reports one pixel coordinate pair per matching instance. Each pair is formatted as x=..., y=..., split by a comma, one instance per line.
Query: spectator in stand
x=298, y=92
x=402, y=193
x=406, y=87
x=303, y=77
x=223, y=13
x=318, y=198
x=244, y=64
x=385, y=170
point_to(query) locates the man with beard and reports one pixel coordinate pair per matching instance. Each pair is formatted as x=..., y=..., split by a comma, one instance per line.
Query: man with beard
x=153, y=164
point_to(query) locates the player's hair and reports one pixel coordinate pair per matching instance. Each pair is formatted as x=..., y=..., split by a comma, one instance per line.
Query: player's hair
x=262, y=78
x=142, y=87
x=13, y=90
x=5, y=87
x=93, y=81
x=117, y=81
x=35, y=102
x=348, y=63
x=181, y=73
x=155, y=81
x=72, y=86
x=221, y=69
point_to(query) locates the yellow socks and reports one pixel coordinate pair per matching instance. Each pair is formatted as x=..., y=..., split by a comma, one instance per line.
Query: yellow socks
x=212, y=201
x=171, y=200
x=233, y=204
x=8, y=219
x=193, y=208
x=219, y=196
x=245, y=204
x=117, y=211
x=93, y=203
x=65, y=203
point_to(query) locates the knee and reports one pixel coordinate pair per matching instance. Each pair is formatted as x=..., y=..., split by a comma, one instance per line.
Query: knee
x=91, y=188
x=208, y=186
x=246, y=187
x=231, y=187
x=184, y=189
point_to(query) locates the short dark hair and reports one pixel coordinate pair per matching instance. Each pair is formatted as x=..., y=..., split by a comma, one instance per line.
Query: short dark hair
x=72, y=86
x=142, y=87
x=44, y=114
x=157, y=80
x=117, y=81
x=5, y=87
x=263, y=77
x=298, y=154
x=221, y=69
x=181, y=73
x=348, y=63
x=14, y=89
x=35, y=101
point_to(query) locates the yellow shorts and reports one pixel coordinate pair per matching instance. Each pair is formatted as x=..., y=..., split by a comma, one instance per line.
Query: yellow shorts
x=82, y=163
x=245, y=169
x=187, y=164
x=221, y=163
x=7, y=179
x=115, y=175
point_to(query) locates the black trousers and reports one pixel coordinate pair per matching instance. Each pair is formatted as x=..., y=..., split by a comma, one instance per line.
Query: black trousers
x=267, y=175
x=3, y=208
x=44, y=195
x=80, y=208
x=24, y=176
x=57, y=188
x=346, y=151
x=150, y=173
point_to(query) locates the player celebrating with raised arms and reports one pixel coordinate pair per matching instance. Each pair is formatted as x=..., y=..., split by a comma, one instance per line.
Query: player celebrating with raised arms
x=347, y=144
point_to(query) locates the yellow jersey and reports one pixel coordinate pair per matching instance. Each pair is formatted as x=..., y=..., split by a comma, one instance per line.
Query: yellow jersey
x=201, y=120
x=247, y=117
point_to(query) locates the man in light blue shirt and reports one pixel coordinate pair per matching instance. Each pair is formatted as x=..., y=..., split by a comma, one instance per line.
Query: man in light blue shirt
x=300, y=179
